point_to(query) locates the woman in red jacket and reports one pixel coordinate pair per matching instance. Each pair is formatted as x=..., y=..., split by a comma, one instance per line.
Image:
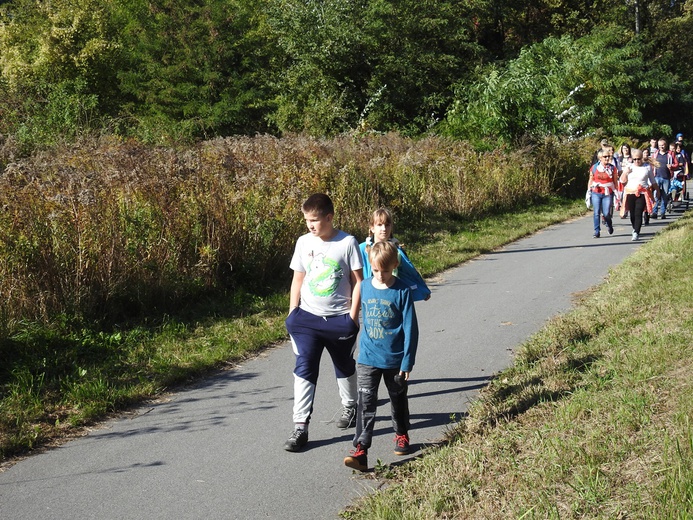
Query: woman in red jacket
x=602, y=185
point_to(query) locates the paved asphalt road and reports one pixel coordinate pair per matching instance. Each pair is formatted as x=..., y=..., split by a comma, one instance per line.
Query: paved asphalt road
x=214, y=451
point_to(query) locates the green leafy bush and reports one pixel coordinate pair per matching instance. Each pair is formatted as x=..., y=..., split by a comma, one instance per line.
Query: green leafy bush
x=600, y=83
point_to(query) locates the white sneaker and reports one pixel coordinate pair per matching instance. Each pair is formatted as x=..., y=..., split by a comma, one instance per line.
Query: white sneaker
x=635, y=236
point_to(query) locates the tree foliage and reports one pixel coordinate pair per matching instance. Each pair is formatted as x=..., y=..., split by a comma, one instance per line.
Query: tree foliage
x=194, y=69
x=386, y=64
x=170, y=71
x=58, y=61
x=566, y=86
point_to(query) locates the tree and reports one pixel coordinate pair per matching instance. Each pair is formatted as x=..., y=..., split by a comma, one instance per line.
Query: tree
x=384, y=64
x=571, y=87
x=58, y=61
x=418, y=50
x=325, y=67
x=195, y=69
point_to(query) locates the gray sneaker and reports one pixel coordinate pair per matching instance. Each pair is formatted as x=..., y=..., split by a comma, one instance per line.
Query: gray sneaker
x=348, y=418
x=298, y=439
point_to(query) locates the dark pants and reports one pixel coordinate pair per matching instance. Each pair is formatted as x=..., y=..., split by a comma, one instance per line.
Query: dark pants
x=635, y=206
x=368, y=383
x=310, y=335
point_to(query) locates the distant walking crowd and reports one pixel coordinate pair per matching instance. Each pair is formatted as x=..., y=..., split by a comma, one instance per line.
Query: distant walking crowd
x=638, y=183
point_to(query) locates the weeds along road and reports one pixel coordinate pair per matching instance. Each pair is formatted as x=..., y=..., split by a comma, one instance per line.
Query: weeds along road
x=215, y=450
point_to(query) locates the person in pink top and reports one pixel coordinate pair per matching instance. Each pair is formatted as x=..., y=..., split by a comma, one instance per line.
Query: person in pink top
x=637, y=179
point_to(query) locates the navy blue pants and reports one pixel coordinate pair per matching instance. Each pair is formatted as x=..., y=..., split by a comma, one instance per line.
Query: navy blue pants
x=310, y=335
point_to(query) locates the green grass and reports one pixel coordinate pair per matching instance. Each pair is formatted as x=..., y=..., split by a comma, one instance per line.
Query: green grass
x=593, y=420
x=55, y=380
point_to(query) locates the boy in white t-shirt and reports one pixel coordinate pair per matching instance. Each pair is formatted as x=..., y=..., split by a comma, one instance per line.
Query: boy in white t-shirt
x=323, y=313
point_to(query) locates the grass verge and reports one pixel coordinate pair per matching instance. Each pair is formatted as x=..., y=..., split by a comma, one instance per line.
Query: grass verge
x=593, y=420
x=58, y=379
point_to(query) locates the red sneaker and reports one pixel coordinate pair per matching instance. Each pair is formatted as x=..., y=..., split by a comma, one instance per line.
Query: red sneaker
x=401, y=444
x=358, y=459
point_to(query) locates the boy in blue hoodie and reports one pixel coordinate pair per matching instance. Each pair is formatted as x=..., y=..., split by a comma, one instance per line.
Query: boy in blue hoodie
x=387, y=350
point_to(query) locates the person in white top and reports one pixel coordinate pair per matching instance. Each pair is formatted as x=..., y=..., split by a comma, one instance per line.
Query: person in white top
x=324, y=306
x=638, y=179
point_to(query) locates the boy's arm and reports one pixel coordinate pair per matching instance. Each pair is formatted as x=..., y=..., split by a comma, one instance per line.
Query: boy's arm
x=356, y=279
x=295, y=293
x=411, y=336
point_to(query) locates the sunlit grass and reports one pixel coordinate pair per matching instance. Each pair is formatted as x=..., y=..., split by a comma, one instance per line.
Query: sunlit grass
x=598, y=422
x=68, y=375
x=110, y=230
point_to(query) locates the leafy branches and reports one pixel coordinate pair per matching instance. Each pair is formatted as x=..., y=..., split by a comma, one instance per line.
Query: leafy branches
x=569, y=87
x=58, y=61
x=194, y=69
x=494, y=70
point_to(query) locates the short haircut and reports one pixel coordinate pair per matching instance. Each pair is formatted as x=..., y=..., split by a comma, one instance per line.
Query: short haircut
x=384, y=254
x=319, y=203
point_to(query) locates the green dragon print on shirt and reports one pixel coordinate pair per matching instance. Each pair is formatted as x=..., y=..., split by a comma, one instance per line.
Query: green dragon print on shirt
x=324, y=275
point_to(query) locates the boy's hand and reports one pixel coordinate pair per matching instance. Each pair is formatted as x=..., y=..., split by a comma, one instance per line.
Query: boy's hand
x=354, y=317
x=404, y=375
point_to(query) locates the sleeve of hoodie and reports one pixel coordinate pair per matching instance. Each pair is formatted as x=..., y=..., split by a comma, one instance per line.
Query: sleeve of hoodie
x=409, y=275
x=410, y=326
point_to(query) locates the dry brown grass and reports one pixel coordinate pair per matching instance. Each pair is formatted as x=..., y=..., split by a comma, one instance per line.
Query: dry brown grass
x=111, y=228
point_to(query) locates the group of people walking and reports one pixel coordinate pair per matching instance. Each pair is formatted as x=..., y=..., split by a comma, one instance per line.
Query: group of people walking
x=328, y=293
x=336, y=280
x=639, y=183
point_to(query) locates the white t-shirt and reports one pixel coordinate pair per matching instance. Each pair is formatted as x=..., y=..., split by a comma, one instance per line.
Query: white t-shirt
x=638, y=176
x=326, y=289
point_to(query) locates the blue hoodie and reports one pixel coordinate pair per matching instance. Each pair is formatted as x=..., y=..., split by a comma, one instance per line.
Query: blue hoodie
x=405, y=272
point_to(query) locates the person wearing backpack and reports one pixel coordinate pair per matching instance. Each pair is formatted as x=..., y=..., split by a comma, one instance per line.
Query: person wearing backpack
x=664, y=164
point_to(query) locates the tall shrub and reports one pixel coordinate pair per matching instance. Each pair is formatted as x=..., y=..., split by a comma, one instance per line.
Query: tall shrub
x=601, y=83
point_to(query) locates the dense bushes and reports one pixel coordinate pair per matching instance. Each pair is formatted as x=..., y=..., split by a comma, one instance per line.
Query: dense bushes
x=171, y=71
x=109, y=229
x=600, y=83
